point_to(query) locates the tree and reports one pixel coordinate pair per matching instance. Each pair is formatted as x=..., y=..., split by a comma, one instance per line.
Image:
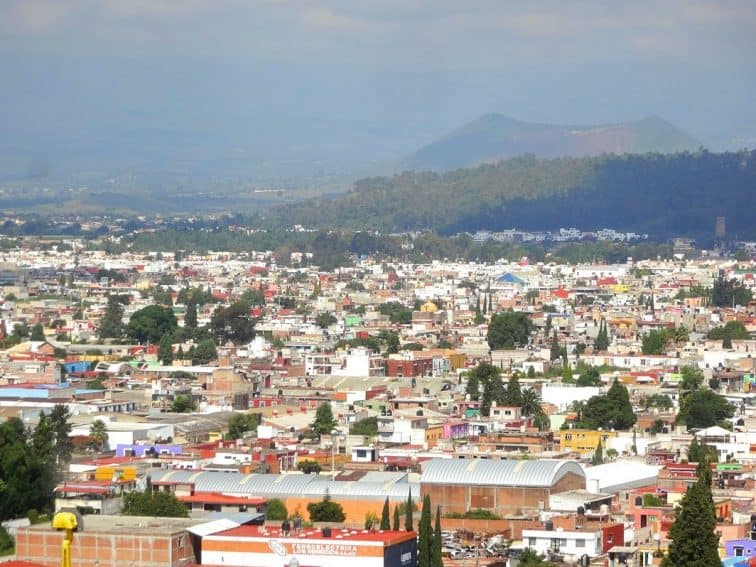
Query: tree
x=151, y=323
x=513, y=393
x=692, y=378
x=325, y=320
x=276, y=510
x=37, y=333
x=589, y=377
x=613, y=410
x=409, y=507
x=556, y=350
x=165, y=350
x=508, y=330
x=204, y=352
x=531, y=558
x=98, y=435
x=703, y=408
x=233, y=323
x=324, y=421
x=436, y=543
x=391, y=338
x=156, y=504
x=367, y=427
x=598, y=454
x=655, y=341
x=493, y=390
x=699, y=452
x=182, y=404
x=396, y=525
x=190, y=317
x=530, y=403
x=472, y=387
x=567, y=374
x=694, y=542
x=111, y=324
x=63, y=446
x=385, y=519
x=424, y=535
x=729, y=293
x=241, y=423
x=602, y=339
x=326, y=510
x=308, y=466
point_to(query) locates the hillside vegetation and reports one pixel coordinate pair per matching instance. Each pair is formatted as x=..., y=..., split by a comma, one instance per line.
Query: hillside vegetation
x=658, y=194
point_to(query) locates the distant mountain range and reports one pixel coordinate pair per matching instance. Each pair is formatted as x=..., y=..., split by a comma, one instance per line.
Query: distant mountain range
x=662, y=195
x=494, y=137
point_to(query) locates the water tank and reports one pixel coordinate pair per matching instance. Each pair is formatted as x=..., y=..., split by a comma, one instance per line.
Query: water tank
x=581, y=511
x=549, y=526
x=326, y=532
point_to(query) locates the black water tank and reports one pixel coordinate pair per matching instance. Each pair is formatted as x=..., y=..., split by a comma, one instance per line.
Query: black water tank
x=326, y=532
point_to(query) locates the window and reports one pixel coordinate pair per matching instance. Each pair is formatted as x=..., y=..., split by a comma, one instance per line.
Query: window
x=579, y=543
x=531, y=542
x=738, y=551
x=568, y=437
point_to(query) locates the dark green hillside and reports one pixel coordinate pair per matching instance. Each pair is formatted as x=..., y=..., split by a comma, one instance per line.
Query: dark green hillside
x=494, y=137
x=659, y=194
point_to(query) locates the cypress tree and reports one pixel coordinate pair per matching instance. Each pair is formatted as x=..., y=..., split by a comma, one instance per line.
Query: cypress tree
x=694, y=541
x=424, y=535
x=385, y=519
x=396, y=518
x=408, y=513
x=436, y=558
x=556, y=350
x=598, y=455
x=490, y=301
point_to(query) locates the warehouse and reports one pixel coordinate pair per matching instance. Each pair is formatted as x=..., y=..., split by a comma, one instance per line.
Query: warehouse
x=501, y=486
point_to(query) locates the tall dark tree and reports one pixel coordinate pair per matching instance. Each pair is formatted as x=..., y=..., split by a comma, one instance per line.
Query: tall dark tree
x=408, y=523
x=437, y=542
x=703, y=408
x=324, y=421
x=396, y=525
x=556, y=350
x=63, y=446
x=190, y=317
x=424, y=535
x=613, y=410
x=729, y=293
x=151, y=323
x=37, y=333
x=602, y=339
x=513, y=392
x=598, y=454
x=111, y=324
x=233, y=323
x=165, y=350
x=694, y=540
x=386, y=516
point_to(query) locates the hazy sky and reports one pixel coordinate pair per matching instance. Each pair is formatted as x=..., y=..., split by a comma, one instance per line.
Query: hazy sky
x=360, y=79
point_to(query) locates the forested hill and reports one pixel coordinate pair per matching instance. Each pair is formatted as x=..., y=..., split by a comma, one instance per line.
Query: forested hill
x=663, y=195
x=493, y=137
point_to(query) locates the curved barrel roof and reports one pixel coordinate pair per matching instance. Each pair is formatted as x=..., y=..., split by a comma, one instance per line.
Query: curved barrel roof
x=528, y=473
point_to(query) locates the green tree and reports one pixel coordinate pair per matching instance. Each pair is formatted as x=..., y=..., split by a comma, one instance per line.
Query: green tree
x=241, y=423
x=367, y=427
x=531, y=558
x=602, y=339
x=613, y=410
x=509, y=329
x=391, y=338
x=63, y=446
x=556, y=350
x=276, y=510
x=98, y=435
x=233, y=323
x=38, y=333
x=729, y=293
x=385, y=516
x=692, y=378
x=326, y=510
x=437, y=542
x=694, y=540
x=204, y=352
x=154, y=504
x=655, y=341
x=424, y=535
x=598, y=454
x=190, y=317
x=308, y=466
x=396, y=525
x=589, y=377
x=703, y=408
x=182, y=404
x=396, y=312
x=489, y=377
x=699, y=452
x=530, y=403
x=324, y=421
x=513, y=392
x=567, y=376
x=151, y=323
x=325, y=320
x=408, y=509
x=165, y=350
x=111, y=324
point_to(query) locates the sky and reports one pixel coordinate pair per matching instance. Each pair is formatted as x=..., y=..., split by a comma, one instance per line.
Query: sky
x=302, y=85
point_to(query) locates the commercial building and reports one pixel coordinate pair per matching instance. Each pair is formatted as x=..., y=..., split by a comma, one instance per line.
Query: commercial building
x=327, y=547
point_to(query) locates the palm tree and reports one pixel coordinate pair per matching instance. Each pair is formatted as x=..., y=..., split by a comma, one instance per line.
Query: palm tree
x=531, y=403
x=578, y=407
x=98, y=434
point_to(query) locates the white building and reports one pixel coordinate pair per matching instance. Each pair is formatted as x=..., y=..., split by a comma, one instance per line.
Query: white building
x=562, y=542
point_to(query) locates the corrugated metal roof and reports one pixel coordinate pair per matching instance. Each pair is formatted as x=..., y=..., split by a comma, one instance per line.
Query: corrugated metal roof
x=532, y=473
x=287, y=485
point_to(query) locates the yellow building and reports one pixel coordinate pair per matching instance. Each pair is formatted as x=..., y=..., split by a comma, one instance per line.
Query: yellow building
x=584, y=441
